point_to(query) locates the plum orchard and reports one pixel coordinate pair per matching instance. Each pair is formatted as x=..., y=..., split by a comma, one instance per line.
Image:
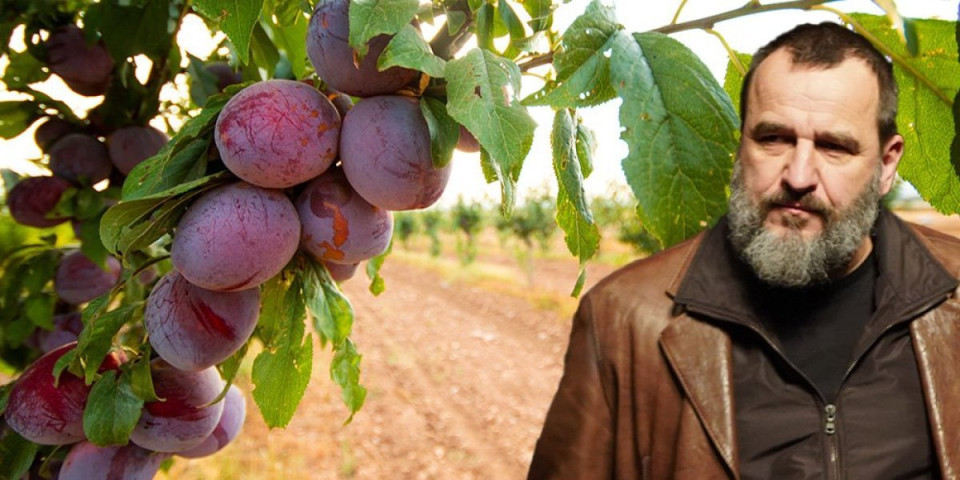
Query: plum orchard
x=226, y=231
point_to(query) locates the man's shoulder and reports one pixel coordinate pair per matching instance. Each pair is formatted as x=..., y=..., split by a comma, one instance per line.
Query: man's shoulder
x=944, y=247
x=649, y=280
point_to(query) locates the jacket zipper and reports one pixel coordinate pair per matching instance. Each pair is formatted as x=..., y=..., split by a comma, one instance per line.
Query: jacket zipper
x=830, y=431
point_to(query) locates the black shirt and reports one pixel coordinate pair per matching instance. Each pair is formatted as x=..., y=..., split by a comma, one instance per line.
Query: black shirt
x=818, y=328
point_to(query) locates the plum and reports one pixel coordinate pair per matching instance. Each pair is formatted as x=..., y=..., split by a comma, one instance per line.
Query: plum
x=128, y=146
x=184, y=417
x=48, y=413
x=341, y=272
x=467, y=142
x=33, y=198
x=66, y=329
x=339, y=226
x=85, y=68
x=340, y=100
x=335, y=61
x=231, y=421
x=51, y=130
x=193, y=328
x=236, y=237
x=385, y=152
x=224, y=73
x=278, y=133
x=79, y=280
x=80, y=158
x=87, y=461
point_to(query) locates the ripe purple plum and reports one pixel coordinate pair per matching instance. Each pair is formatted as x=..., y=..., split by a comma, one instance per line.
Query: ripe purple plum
x=128, y=146
x=339, y=226
x=236, y=237
x=33, y=198
x=85, y=68
x=385, y=152
x=340, y=100
x=66, y=329
x=79, y=280
x=80, y=158
x=467, y=142
x=184, y=417
x=224, y=73
x=335, y=61
x=46, y=412
x=278, y=133
x=87, y=461
x=51, y=130
x=341, y=272
x=193, y=328
x=231, y=421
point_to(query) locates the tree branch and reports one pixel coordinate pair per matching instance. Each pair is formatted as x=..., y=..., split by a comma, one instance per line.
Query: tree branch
x=750, y=8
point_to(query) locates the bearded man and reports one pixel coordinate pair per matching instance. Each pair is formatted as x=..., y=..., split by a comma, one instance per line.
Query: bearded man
x=808, y=334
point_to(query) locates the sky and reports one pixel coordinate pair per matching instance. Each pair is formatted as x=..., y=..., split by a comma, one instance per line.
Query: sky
x=744, y=34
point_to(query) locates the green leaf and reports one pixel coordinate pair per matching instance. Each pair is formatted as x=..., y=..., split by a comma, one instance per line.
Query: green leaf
x=485, y=17
x=331, y=310
x=369, y=18
x=586, y=147
x=203, y=83
x=511, y=22
x=541, y=14
x=128, y=30
x=230, y=367
x=39, y=309
x=928, y=84
x=289, y=36
x=23, y=70
x=573, y=212
x=236, y=18
x=481, y=95
x=15, y=117
x=900, y=24
x=733, y=79
x=162, y=172
x=264, y=53
x=455, y=20
x=141, y=380
x=408, y=49
x=345, y=371
x=90, y=243
x=136, y=224
x=280, y=378
x=96, y=339
x=112, y=410
x=583, y=62
x=377, y=284
x=282, y=370
x=581, y=279
x=680, y=129
x=16, y=455
x=444, y=131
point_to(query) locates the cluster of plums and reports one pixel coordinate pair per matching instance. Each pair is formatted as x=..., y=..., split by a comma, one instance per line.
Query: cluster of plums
x=316, y=173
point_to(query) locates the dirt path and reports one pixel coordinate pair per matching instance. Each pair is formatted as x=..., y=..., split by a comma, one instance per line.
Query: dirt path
x=459, y=381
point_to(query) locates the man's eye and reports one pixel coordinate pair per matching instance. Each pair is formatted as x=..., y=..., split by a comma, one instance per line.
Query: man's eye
x=833, y=147
x=772, y=139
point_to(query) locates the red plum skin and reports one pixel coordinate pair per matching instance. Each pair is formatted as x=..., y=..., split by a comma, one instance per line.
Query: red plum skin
x=385, y=152
x=80, y=158
x=85, y=68
x=236, y=237
x=183, y=418
x=335, y=62
x=339, y=226
x=128, y=146
x=50, y=414
x=193, y=328
x=278, y=133
x=229, y=426
x=32, y=198
x=79, y=280
x=87, y=461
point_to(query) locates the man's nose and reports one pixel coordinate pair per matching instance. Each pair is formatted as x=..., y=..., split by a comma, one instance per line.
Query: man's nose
x=800, y=173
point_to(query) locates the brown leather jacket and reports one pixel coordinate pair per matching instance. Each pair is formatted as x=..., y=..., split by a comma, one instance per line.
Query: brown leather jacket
x=647, y=390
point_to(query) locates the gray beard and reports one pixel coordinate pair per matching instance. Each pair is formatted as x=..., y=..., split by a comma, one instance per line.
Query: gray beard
x=789, y=260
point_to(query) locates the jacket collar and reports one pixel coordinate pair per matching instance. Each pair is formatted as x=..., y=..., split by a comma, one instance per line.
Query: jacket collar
x=714, y=281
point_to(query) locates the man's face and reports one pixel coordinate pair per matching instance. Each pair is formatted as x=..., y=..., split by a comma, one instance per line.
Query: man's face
x=811, y=166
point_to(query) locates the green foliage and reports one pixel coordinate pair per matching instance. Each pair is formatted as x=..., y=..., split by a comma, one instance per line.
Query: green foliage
x=468, y=219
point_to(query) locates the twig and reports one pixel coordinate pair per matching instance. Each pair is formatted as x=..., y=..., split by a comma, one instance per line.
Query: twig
x=677, y=14
x=749, y=8
x=730, y=52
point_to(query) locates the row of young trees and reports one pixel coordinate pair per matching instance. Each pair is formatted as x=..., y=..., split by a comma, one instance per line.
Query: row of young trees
x=227, y=232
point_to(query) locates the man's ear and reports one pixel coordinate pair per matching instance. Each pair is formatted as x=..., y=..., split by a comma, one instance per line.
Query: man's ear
x=890, y=155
